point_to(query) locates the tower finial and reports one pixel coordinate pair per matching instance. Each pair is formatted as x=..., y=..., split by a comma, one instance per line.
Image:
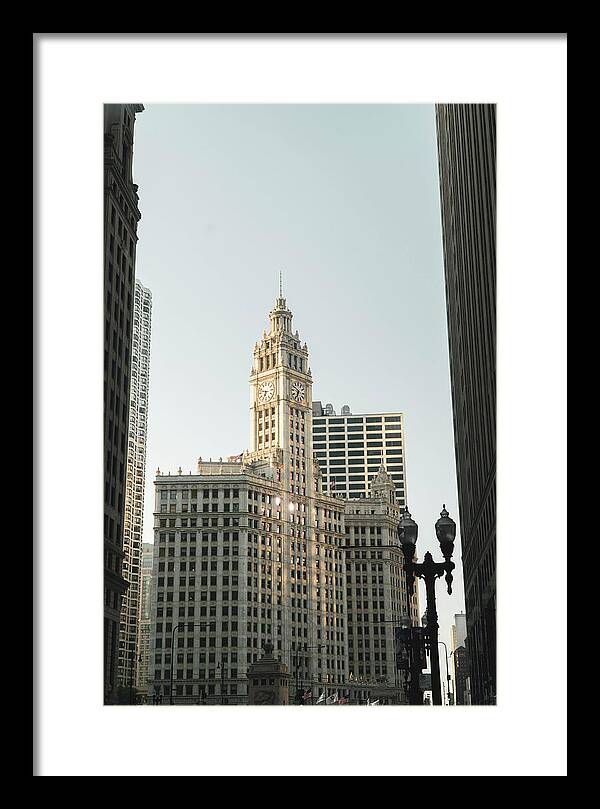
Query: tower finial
x=280, y=284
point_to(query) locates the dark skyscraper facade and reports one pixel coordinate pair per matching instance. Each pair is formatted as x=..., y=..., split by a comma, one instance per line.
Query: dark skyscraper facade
x=466, y=135
x=461, y=672
x=121, y=216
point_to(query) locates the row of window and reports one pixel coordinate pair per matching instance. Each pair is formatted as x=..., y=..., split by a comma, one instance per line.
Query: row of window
x=370, y=474
x=192, y=494
x=357, y=419
x=354, y=433
x=370, y=428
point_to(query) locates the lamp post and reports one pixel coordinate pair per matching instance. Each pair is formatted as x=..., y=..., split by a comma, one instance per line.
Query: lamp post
x=297, y=667
x=222, y=667
x=177, y=626
x=412, y=641
x=429, y=571
x=298, y=688
x=295, y=656
x=441, y=643
x=417, y=659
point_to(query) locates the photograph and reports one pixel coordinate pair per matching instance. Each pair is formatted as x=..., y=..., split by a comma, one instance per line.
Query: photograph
x=300, y=401
x=336, y=264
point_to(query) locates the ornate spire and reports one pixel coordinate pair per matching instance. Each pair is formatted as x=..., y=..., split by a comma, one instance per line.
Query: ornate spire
x=280, y=316
x=280, y=300
x=382, y=484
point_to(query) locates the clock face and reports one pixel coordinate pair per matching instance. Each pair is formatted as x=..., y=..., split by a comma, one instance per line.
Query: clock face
x=298, y=391
x=266, y=391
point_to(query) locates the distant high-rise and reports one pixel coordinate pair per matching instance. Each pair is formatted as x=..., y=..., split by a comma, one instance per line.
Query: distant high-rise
x=145, y=623
x=121, y=215
x=467, y=164
x=460, y=662
x=351, y=448
x=461, y=673
x=134, y=486
x=459, y=630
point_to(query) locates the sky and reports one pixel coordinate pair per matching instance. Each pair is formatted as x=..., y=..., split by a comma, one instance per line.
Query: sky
x=344, y=201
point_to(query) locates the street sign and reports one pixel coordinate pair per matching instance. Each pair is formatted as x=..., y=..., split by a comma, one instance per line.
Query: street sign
x=420, y=635
x=425, y=682
x=410, y=640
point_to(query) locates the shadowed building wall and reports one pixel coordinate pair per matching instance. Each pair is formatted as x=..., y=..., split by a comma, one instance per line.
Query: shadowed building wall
x=121, y=216
x=467, y=166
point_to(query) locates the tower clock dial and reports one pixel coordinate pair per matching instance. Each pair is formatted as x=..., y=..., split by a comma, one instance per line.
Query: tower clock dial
x=298, y=391
x=265, y=392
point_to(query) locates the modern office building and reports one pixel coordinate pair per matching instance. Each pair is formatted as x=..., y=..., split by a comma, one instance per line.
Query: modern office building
x=121, y=217
x=350, y=449
x=466, y=136
x=376, y=591
x=250, y=550
x=459, y=630
x=134, y=485
x=459, y=656
x=145, y=620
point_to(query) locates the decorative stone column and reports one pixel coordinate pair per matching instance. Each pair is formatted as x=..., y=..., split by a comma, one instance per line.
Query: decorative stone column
x=268, y=680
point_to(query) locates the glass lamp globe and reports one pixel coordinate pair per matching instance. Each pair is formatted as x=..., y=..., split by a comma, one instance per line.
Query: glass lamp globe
x=407, y=528
x=445, y=529
x=407, y=534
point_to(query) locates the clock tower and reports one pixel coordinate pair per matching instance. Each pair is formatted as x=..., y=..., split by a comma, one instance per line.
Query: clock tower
x=281, y=440
x=289, y=533
x=281, y=403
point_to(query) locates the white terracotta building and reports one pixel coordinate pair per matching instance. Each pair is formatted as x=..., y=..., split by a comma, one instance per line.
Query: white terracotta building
x=250, y=550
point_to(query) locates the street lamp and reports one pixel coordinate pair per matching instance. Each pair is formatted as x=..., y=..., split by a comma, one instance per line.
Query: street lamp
x=177, y=626
x=429, y=571
x=412, y=642
x=222, y=667
x=441, y=643
x=296, y=664
x=295, y=657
